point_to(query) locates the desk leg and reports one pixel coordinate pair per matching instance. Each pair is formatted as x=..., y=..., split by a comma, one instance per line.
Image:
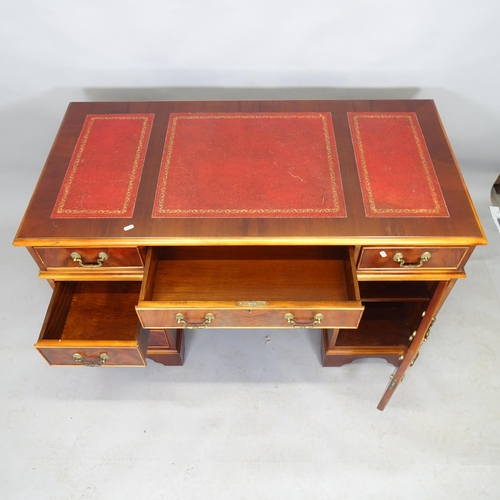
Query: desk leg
x=335, y=355
x=166, y=347
x=329, y=355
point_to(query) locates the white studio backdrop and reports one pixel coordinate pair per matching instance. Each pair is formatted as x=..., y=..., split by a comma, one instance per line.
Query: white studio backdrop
x=61, y=437
x=56, y=51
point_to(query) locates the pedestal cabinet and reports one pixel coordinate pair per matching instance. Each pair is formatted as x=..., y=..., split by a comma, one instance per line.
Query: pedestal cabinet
x=149, y=218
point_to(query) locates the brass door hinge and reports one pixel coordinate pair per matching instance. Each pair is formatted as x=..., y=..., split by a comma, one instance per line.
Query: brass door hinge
x=426, y=336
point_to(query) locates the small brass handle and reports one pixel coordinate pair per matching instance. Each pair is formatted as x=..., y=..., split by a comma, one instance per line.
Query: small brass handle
x=398, y=257
x=318, y=318
x=209, y=317
x=103, y=357
x=101, y=257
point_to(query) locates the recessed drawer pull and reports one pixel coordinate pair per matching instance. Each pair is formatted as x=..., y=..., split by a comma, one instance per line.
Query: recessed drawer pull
x=103, y=357
x=100, y=259
x=209, y=317
x=398, y=257
x=318, y=318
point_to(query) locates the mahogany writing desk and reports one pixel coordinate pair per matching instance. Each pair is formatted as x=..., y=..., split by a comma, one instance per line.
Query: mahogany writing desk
x=349, y=217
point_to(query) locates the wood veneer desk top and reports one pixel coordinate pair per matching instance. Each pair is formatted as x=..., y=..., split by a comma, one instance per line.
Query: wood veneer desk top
x=459, y=227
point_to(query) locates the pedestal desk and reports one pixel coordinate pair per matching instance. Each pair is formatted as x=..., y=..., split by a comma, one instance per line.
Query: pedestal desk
x=349, y=217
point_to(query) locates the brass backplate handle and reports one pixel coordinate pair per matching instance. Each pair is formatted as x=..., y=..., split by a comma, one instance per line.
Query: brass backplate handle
x=181, y=319
x=101, y=257
x=103, y=357
x=318, y=318
x=399, y=257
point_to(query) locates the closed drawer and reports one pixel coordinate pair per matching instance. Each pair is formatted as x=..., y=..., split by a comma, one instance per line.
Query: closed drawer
x=93, y=324
x=91, y=259
x=414, y=259
x=249, y=287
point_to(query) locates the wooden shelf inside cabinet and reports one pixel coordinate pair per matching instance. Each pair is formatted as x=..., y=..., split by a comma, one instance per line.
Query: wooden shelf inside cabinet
x=383, y=332
x=93, y=324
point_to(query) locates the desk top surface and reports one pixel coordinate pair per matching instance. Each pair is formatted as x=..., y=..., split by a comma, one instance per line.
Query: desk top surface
x=256, y=172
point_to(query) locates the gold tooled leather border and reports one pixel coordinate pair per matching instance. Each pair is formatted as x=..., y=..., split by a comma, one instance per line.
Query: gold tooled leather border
x=333, y=164
x=424, y=158
x=59, y=210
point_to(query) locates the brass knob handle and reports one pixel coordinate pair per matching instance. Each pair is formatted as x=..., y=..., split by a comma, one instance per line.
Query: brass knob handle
x=181, y=319
x=101, y=257
x=399, y=257
x=318, y=318
x=103, y=357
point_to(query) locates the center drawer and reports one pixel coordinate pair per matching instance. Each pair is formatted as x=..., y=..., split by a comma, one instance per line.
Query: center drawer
x=249, y=286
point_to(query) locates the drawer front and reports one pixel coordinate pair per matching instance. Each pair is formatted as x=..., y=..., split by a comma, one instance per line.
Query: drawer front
x=320, y=317
x=413, y=259
x=93, y=324
x=91, y=356
x=90, y=258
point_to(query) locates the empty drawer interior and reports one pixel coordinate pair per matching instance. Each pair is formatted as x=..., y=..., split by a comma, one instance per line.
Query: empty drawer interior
x=92, y=311
x=291, y=274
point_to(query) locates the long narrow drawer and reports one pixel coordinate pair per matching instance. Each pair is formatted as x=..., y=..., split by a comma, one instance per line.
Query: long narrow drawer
x=414, y=259
x=90, y=258
x=249, y=287
x=93, y=324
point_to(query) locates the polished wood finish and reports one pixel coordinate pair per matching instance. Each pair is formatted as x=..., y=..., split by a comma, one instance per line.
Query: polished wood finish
x=90, y=318
x=116, y=257
x=340, y=267
x=461, y=228
x=382, y=258
x=443, y=289
x=250, y=286
x=166, y=347
x=383, y=332
x=121, y=263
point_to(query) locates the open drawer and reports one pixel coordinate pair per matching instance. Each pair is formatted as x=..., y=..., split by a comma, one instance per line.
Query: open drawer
x=93, y=324
x=250, y=287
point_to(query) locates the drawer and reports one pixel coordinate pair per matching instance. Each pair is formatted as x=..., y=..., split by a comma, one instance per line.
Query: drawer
x=93, y=324
x=404, y=259
x=91, y=259
x=249, y=287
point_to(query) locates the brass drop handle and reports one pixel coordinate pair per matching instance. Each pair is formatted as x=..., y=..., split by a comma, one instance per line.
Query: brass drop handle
x=101, y=257
x=181, y=319
x=103, y=357
x=318, y=318
x=399, y=257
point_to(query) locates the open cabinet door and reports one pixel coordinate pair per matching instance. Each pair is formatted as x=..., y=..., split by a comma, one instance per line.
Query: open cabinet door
x=429, y=316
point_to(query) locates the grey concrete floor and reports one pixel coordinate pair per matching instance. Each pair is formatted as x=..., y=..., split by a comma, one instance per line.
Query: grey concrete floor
x=249, y=417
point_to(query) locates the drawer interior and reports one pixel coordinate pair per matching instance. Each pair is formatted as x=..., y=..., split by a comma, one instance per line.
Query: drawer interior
x=250, y=273
x=92, y=311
